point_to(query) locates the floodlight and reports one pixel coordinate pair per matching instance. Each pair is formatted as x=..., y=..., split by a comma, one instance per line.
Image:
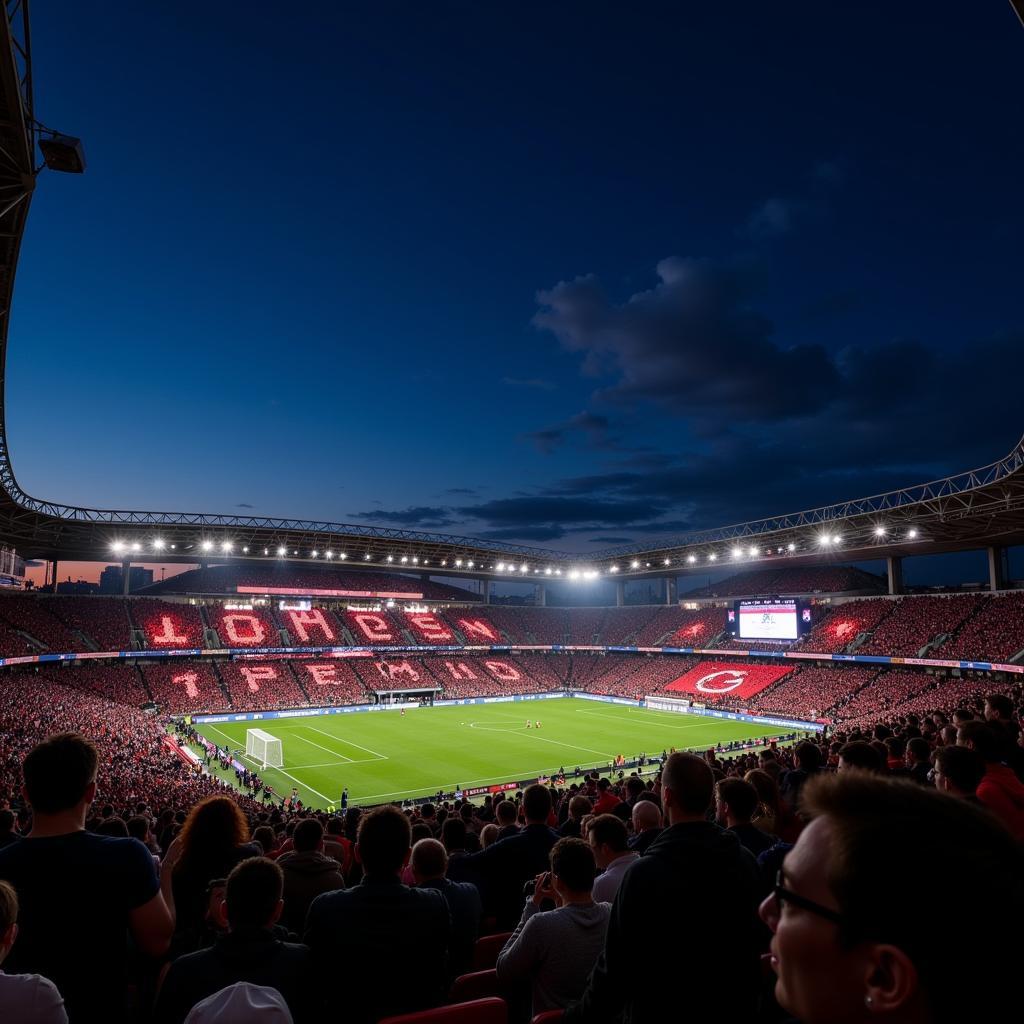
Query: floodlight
x=63, y=153
x=668, y=561
x=574, y=574
x=691, y=559
x=390, y=558
x=737, y=552
x=754, y=552
x=329, y=554
x=226, y=546
x=524, y=568
x=405, y=558
x=158, y=544
x=634, y=565
x=281, y=552
x=791, y=547
x=879, y=531
x=117, y=545
x=245, y=551
x=415, y=560
x=614, y=568
x=458, y=563
x=366, y=557
x=912, y=534
x=343, y=556
x=136, y=546
x=313, y=554
x=824, y=540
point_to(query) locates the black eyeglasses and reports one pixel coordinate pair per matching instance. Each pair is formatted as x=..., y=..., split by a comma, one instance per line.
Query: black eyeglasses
x=783, y=895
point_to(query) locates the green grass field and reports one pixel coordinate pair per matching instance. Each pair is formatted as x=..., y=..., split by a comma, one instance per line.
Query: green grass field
x=382, y=756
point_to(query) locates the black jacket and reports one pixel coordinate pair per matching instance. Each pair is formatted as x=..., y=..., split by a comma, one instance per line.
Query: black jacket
x=691, y=903
x=389, y=940
x=253, y=955
x=502, y=870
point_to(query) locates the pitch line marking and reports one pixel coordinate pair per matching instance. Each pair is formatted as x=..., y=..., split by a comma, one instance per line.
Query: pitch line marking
x=213, y=728
x=313, y=743
x=376, y=753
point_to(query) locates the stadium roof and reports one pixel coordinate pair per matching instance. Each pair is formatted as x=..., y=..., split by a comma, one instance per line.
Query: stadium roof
x=975, y=509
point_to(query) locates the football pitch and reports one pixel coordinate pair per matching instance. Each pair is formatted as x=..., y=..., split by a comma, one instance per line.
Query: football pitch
x=384, y=756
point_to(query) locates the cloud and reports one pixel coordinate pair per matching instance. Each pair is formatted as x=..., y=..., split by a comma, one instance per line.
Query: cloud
x=461, y=490
x=693, y=344
x=775, y=216
x=244, y=504
x=610, y=540
x=534, y=383
x=418, y=515
x=595, y=427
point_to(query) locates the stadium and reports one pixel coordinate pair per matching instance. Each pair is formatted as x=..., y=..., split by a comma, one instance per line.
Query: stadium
x=306, y=671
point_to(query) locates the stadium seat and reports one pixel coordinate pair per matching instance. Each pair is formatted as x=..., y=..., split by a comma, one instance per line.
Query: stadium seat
x=487, y=948
x=477, y=985
x=548, y=1017
x=478, y=1011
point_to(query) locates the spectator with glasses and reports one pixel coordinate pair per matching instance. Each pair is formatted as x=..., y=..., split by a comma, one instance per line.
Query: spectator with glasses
x=858, y=933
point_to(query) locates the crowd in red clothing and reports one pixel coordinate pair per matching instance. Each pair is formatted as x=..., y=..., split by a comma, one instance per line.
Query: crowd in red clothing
x=168, y=624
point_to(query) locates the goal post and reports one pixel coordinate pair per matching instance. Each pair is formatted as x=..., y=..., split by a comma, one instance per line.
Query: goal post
x=262, y=747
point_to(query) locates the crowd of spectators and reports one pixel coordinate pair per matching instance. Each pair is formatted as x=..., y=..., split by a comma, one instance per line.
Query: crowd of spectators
x=995, y=633
x=24, y=613
x=767, y=850
x=168, y=624
x=811, y=691
x=329, y=682
x=244, y=627
x=181, y=687
x=103, y=620
x=915, y=621
x=839, y=626
x=254, y=685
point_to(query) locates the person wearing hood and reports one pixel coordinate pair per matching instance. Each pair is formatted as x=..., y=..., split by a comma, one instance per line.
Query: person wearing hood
x=250, y=951
x=308, y=872
x=556, y=949
x=691, y=903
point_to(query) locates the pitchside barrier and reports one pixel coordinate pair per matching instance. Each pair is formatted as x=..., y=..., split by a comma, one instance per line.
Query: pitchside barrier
x=376, y=649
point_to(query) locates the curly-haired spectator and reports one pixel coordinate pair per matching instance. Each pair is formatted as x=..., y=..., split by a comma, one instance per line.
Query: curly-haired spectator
x=214, y=838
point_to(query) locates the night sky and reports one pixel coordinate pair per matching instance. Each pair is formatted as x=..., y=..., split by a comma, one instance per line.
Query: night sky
x=567, y=274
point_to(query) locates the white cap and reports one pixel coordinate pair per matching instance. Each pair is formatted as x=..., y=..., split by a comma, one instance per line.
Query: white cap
x=241, y=1003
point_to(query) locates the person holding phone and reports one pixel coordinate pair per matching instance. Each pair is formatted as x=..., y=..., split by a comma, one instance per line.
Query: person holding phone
x=556, y=949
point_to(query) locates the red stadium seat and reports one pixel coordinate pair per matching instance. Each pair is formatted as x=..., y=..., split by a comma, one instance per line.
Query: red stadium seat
x=477, y=1011
x=477, y=985
x=548, y=1017
x=487, y=948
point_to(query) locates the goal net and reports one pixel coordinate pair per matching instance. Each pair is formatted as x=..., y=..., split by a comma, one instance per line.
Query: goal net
x=262, y=747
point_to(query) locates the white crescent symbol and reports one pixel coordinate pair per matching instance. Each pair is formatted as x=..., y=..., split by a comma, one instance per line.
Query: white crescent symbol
x=735, y=680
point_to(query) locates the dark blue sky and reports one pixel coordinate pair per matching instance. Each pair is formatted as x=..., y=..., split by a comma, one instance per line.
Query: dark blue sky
x=569, y=274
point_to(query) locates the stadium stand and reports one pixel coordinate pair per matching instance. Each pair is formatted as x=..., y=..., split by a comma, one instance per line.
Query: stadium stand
x=253, y=685
x=244, y=627
x=168, y=624
x=102, y=620
x=994, y=633
x=813, y=580
x=13, y=644
x=812, y=691
x=305, y=582
x=185, y=686
x=331, y=682
x=915, y=621
x=839, y=626
x=27, y=615
x=122, y=683
x=315, y=627
x=377, y=627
